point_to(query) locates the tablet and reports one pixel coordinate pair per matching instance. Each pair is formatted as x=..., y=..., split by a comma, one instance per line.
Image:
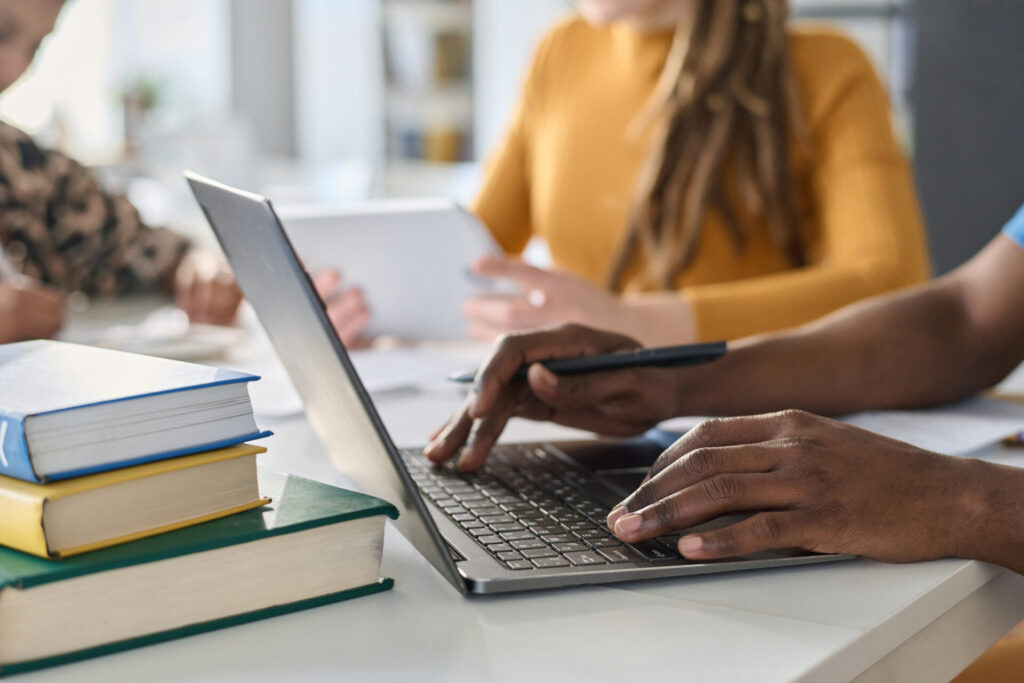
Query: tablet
x=411, y=258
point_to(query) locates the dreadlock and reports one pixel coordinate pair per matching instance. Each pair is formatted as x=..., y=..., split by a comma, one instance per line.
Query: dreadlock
x=726, y=94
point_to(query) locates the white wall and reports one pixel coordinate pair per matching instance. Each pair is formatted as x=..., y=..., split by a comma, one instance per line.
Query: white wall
x=339, y=80
x=504, y=35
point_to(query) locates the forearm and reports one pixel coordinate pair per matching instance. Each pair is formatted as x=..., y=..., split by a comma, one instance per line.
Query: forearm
x=912, y=348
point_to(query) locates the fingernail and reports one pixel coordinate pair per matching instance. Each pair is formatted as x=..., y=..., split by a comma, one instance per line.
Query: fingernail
x=430, y=448
x=549, y=378
x=628, y=524
x=688, y=544
x=614, y=515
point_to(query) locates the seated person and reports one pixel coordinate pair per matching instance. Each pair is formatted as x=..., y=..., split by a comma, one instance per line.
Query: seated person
x=60, y=232
x=699, y=172
x=812, y=483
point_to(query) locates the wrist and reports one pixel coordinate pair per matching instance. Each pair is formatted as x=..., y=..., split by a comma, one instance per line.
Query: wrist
x=988, y=514
x=657, y=319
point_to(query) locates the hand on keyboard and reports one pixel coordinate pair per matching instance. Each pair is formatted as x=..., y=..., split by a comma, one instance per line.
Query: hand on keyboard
x=615, y=403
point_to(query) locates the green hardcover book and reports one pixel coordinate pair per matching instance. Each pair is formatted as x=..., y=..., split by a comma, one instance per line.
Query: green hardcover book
x=49, y=609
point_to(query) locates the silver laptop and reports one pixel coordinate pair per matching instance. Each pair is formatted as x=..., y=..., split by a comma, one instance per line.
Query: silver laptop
x=534, y=517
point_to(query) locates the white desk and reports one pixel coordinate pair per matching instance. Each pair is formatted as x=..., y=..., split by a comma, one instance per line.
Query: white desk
x=852, y=620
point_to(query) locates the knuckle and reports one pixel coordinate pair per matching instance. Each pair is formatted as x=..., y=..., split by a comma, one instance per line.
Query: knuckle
x=793, y=421
x=701, y=462
x=666, y=512
x=706, y=432
x=767, y=530
x=721, y=489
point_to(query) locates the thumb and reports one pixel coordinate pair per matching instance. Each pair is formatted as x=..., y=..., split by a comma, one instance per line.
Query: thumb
x=526, y=276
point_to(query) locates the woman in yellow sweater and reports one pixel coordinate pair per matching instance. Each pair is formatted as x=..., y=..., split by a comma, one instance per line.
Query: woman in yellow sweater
x=698, y=172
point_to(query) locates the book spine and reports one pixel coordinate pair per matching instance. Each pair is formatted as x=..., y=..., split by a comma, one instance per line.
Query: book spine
x=14, y=458
x=21, y=522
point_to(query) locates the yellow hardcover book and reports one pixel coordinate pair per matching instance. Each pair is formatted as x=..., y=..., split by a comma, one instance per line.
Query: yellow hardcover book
x=96, y=511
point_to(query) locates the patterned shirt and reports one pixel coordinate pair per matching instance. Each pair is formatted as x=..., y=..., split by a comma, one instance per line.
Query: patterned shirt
x=58, y=226
x=1015, y=228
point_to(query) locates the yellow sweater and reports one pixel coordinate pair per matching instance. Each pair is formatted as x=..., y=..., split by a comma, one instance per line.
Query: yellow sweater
x=566, y=172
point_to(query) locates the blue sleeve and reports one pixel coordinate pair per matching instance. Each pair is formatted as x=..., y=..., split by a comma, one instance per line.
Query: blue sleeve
x=1015, y=228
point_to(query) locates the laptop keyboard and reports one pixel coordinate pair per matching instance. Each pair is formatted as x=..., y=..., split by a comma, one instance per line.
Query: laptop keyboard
x=531, y=509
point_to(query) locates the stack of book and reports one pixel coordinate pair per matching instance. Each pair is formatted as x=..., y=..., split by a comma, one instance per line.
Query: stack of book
x=122, y=473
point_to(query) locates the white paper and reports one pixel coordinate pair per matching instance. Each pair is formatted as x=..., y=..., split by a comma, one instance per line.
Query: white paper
x=956, y=429
x=273, y=396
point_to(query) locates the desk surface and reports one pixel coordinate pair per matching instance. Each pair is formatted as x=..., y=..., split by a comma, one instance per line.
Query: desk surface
x=833, y=622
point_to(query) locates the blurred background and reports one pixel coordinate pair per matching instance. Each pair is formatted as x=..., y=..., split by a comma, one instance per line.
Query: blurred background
x=337, y=101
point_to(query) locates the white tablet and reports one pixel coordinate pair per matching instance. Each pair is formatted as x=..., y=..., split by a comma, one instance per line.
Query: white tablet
x=411, y=257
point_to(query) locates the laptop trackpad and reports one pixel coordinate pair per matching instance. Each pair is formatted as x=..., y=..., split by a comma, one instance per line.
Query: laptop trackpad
x=619, y=466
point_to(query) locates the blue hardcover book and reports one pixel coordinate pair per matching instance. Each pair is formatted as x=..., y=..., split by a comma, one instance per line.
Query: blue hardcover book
x=68, y=410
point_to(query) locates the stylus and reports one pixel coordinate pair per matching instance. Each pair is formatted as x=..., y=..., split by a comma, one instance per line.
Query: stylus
x=663, y=356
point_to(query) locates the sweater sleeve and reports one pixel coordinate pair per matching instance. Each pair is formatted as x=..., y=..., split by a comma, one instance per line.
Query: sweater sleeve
x=65, y=230
x=503, y=204
x=871, y=236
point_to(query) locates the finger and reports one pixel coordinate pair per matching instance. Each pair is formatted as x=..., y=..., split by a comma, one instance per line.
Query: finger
x=344, y=304
x=576, y=392
x=326, y=281
x=452, y=436
x=761, y=532
x=722, y=494
x=523, y=274
x=701, y=465
x=225, y=297
x=504, y=312
x=351, y=331
x=487, y=429
x=513, y=351
x=733, y=431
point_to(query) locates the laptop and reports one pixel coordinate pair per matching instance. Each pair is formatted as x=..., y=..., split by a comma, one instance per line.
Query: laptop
x=532, y=518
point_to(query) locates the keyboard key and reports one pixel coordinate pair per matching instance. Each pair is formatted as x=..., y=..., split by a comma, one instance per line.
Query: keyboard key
x=519, y=564
x=607, y=542
x=653, y=550
x=592, y=533
x=534, y=553
x=549, y=562
x=527, y=544
x=569, y=547
x=509, y=556
x=490, y=539
x=580, y=525
x=584, y=558
x=498, y=548
x=485, y=510
x=472, y=524
x=481, y=531
x=548, y=530
x=558, y=538
x=507, y=526
x=463, y=517
x=620, y=554
x=516, y=535
x=496, y=519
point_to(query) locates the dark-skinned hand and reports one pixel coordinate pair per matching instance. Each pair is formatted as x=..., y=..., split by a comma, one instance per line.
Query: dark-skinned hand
x=812, y=483
x=615, y=403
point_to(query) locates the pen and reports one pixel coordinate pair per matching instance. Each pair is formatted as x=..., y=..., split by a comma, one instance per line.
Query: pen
x=664, y=356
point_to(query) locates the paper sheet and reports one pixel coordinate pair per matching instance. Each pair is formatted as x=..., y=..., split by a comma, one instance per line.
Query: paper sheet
x=380, y=370
x=957, y=429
